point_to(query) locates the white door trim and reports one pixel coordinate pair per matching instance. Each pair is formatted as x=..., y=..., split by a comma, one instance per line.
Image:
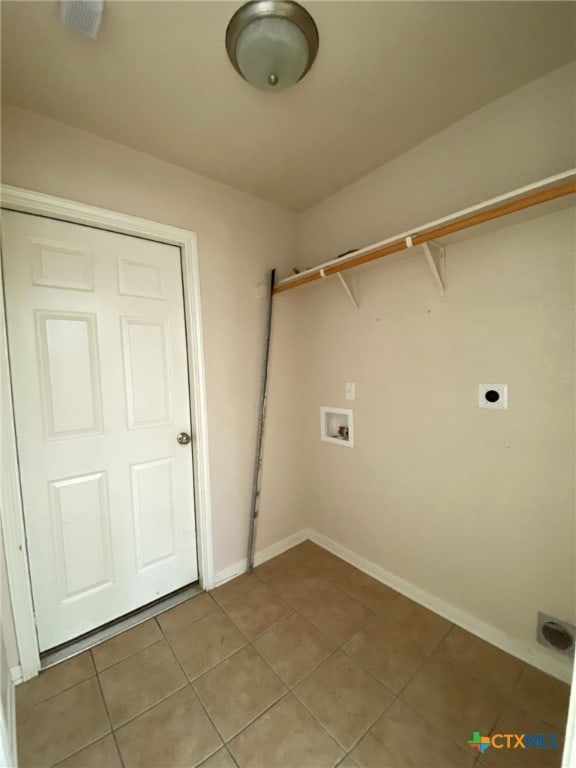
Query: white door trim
x=11, y=513
x=6, y=742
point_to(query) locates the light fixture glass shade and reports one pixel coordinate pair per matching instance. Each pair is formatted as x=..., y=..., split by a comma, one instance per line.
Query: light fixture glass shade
x=272, y=43
x=272, y=54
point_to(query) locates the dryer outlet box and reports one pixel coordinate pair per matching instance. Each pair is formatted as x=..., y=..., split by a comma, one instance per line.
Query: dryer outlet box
x=493, y=396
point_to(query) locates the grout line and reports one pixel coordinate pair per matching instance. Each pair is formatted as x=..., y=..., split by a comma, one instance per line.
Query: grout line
x=312, y=715
x=192, y=680
x=147, y=709
x=370, y=618
x=288, y=692
x=416, y=673
x=113, y=732
x=259, y=715
x=396, y=624
x=516, y=682
x=346, y=749
x=374, y=677
x=250, y=640
x=430, y=654
x=99, y=738
x=455, y=664
x=241, y=594
x=77, y=751
x=123, y=624
x=165, y=634
x=172, y=632
x=373, y=723
x=307, y=599
x=435, y=727
x=125, y=658
x=457, y=667
x=291, y=686
x=143, y=712
x=292, y=611
x=223, y=743
x=201, y=704
x=227, y=749
x=396, y=628
x=20, y=711
x=120, y=756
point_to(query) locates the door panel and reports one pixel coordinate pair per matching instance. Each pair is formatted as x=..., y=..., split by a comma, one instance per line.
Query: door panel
x=61, y=265
x=153, y=505
x=98, y=354
x=81, y=534
x=140, y=279
x=69, y=375
x=148, y=378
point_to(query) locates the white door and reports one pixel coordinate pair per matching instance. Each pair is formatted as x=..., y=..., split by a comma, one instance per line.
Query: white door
x=100, y=377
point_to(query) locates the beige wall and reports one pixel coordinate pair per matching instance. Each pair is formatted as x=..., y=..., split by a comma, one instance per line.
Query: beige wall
x=475, y=507
x=240, y=239
x=283, y=500
x=518, y=139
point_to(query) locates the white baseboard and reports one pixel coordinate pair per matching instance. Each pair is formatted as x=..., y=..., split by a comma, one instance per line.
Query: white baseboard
x=559, y=667
x=226, y=574
x=16, y=674
x=569, y=754
x=238, y=568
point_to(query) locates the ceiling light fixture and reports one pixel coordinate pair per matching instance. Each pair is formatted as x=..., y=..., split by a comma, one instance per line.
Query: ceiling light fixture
x=272, y=43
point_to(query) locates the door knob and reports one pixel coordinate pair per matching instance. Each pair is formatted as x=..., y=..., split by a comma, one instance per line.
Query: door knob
x=183, y=438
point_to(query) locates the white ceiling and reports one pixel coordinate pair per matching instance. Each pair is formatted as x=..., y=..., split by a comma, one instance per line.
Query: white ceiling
x=388, y=75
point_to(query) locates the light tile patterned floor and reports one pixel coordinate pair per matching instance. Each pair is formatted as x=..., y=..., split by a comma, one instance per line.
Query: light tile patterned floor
x=306, y=663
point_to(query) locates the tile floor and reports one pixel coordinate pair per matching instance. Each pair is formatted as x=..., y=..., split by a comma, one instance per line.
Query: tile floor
x=306, y=663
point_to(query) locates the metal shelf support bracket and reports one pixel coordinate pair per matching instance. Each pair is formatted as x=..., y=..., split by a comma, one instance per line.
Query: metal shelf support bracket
x=345, y=286
x=348, y=290
x=436, y=260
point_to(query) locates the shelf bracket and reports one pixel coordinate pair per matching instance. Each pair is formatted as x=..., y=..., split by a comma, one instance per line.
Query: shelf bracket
x=436, y=259
x=348, y=291
x=344, y=285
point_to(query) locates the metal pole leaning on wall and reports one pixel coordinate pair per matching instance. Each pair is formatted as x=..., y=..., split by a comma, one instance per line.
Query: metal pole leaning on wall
x=255, y=503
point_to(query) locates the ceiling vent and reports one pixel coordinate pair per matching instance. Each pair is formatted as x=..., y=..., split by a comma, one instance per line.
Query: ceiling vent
x=82, y=15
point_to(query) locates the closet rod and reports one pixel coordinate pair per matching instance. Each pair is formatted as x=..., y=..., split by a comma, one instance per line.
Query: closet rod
x=519, y=204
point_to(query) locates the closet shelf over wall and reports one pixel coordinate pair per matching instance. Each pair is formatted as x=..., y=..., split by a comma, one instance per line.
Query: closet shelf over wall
x=555, y=188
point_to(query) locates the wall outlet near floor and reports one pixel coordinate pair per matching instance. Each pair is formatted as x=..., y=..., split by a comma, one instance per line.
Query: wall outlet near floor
x=556, y=634
x=493, y=396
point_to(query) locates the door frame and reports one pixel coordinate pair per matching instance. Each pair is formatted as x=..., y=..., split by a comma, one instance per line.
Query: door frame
x=11, y=508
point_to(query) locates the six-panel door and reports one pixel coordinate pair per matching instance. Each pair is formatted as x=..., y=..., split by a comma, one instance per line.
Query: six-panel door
x=98, y=355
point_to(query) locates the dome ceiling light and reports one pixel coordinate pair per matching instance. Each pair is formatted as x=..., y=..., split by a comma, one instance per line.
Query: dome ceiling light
x=272, y=43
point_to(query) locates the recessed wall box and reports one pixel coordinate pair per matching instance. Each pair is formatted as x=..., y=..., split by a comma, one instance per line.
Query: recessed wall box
x=337, y=426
